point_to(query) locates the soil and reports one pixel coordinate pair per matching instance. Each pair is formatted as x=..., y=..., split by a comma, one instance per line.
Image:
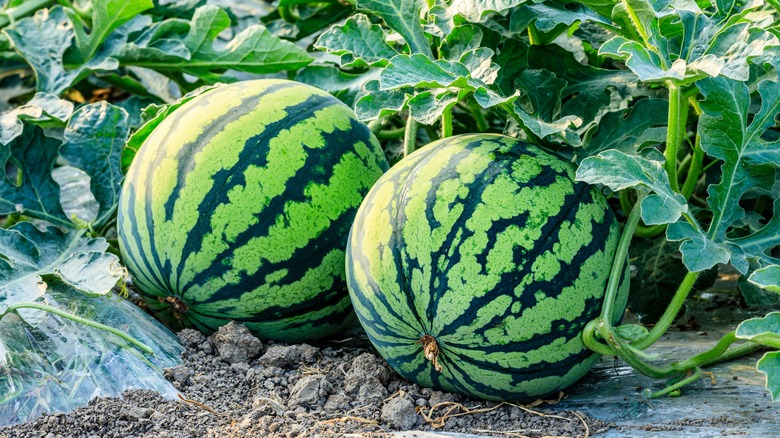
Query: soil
x=233, y=385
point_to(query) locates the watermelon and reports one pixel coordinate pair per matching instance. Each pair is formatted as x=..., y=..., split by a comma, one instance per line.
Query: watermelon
x=238, y=205
x=474, y=264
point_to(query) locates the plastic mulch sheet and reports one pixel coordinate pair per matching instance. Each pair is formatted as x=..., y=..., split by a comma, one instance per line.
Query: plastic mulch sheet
x=57, y=365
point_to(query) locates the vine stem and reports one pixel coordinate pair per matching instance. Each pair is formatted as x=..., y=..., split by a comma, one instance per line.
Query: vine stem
x=24, y=9
x=410, y=135
x=670, y=314
x=479, y=118
x=620, y=256
x=675, y=132
x=690, y=379
x=446, y=123
x=80, y=320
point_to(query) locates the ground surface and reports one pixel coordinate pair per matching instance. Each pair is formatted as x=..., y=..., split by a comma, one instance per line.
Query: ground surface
x=232, y=385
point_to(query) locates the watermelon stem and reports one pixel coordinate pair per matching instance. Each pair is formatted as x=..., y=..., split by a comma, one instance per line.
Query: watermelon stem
x=178, y=306
x=431, y=350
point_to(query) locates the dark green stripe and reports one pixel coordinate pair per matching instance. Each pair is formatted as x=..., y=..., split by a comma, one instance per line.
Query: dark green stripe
x=317, y=169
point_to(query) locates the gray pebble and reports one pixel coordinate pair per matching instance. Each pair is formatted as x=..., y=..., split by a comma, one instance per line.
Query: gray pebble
x=399, y=413
x=235, y=343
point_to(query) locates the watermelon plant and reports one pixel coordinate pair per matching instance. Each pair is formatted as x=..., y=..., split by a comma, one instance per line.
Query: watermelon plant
x=668, y=107
x=237, y=208
x=475, y=263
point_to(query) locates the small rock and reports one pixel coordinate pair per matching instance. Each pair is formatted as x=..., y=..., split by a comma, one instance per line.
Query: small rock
x=285, y=355
x=368, y=364
x=179, y=373
x=337, y=402
x=235, y=343
x=240, y=367
x=441, y=397
x=262, y=406
x=191, y=338
x=206, y=348
x=399, y=413
x=309, y=390
x=135, y=413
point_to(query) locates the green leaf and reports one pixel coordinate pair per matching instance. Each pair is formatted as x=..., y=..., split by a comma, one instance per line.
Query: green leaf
x=699, y=252
x=748, y=161
x=543, y=90
x=420, y=71
x=446, y=17
x=107, y=16
x=94, y=139
x=547, y=16
x=253, y=50
x=632, y=332
x=764, y=330
x=618, y=170
x=767, y=278
x=682, y=44
x=403, y=17
x=373, y=103
x=43, y=39
x=512, y=58
x=43, y=109
x=461, y=40
x=76, y=198
x=426, y=107
x=561, y=129
x=345, y=86
x=37, y=194
x=769, y=364
x=433, y=85
x=358, y=42
x=747, y=165
x=590, y=92
x=31, y=256
x=630, y=130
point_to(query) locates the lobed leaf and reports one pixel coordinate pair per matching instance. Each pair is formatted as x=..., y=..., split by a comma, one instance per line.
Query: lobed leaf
x=42, y=41
x=630, y=130
x=175, y=46
x=31, y=190
x=43, y=109
x=403, y=16
x=345, y=86
x=446, y=17
x=373, y=102
x=107, y=16
x=699, y=252
x=767, y=278
x=358, y=42
x=619, y=170
x=747, y=160
x=764, y=330
x=30, y=255
x=589, y=92
x=682, y=44
x=94, y=139
x=769, y=364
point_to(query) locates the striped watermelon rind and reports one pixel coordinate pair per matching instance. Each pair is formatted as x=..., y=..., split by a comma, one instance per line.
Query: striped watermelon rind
x=481, y=252
x=238, y=205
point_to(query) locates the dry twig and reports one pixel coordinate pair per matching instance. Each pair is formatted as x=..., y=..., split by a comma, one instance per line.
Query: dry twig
x=349, y=418
x=200, y=405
